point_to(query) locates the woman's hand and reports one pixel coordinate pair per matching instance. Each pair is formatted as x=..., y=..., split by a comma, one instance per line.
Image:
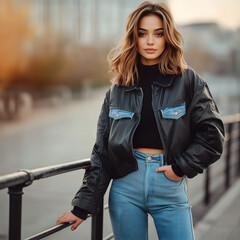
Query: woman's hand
x=168, y=172
x=69, y=217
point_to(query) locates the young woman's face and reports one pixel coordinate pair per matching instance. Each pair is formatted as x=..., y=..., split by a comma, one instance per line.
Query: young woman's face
x=150, y=41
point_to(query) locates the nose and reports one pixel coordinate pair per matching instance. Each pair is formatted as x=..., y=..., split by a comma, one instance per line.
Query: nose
x=150, y=40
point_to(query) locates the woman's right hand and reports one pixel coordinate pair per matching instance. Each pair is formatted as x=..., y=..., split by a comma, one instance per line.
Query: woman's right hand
x=69, y=217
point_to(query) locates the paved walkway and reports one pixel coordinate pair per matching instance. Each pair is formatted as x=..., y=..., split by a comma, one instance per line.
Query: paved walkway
x=222, y=222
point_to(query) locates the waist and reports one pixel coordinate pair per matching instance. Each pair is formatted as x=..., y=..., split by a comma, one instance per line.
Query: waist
x=151, y=150
x=148, y=157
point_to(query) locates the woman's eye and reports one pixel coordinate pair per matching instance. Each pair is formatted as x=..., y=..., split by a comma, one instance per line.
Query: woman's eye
x=141, y=34
x=144, y=34
x=159, y=34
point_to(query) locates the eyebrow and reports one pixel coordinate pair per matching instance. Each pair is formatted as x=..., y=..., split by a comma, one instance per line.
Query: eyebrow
x=143, y=29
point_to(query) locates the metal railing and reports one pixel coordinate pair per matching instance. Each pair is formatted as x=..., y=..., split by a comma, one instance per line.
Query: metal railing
x=15, y=182
x=232, y=132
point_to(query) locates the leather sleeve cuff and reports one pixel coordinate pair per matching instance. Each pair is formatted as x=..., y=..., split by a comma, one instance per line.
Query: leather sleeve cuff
x=177, y=170
x=79, y=213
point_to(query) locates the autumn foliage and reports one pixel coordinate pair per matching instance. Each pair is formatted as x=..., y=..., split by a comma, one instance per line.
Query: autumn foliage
x=39, y=60
x=15, y=32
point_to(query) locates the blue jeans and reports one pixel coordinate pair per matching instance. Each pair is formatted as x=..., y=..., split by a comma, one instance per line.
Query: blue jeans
x=145, y=191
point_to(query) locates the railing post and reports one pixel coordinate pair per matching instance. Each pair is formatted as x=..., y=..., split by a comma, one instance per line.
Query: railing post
x=15, y=212
x=97, y=224
x=207, y=186
x=228, y=156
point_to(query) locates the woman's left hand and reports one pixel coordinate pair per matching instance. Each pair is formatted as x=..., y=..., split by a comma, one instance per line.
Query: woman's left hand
x=168, y=172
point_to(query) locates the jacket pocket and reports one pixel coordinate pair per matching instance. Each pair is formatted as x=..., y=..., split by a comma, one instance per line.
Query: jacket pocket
x=118, y=113
x=174, y=112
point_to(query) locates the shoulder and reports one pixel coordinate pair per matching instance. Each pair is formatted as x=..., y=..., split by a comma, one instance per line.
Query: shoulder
x=115, y=89
x=193, y=78
x=111, y=91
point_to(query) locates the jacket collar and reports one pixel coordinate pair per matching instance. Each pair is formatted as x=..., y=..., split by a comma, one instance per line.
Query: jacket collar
x=162, y=80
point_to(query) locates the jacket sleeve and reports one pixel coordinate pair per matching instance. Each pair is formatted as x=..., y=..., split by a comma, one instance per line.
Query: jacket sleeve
x=207, y=132
x=96, y=179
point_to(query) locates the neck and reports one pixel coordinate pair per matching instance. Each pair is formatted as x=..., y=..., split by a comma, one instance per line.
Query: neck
x=148, y=67
x=149, y=62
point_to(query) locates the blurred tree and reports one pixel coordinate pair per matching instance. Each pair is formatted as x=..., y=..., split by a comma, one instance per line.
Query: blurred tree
x=15, y=30
x=57, y=60
x=51, y=59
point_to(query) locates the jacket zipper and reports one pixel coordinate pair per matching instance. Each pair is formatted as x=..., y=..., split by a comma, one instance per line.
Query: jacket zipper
x=160, y=129
x=138, y=121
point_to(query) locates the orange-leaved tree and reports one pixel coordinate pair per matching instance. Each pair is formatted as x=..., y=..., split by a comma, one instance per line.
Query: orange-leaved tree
x=15, y=30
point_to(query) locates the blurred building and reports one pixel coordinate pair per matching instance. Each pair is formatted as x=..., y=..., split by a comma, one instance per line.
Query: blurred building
x=218, y=44
x=210, y=35
x=207, y=45
x=87, y=21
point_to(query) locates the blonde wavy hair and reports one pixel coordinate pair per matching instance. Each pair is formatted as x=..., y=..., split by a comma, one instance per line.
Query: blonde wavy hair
x=123, y=58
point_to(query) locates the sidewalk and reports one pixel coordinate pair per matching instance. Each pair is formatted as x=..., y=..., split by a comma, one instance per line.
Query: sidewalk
x=47, y=114
x=222, y=222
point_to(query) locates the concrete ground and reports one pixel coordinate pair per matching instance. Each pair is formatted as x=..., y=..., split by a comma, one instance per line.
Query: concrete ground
x=222, y=222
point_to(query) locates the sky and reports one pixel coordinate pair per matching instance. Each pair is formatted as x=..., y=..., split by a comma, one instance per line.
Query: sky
x=224, y=12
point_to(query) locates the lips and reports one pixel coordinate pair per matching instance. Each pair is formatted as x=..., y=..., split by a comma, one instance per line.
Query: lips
x=150, y=50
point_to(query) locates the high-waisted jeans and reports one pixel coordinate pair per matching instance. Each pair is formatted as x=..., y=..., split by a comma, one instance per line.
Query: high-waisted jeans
x=145, y=191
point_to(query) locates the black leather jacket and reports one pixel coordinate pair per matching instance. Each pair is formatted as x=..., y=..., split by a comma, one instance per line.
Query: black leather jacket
x=188, y=121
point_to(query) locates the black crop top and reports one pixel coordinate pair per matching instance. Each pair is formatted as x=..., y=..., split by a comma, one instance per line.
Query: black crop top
x=147, y=134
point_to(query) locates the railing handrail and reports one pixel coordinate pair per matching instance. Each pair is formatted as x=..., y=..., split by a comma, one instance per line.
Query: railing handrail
x=15, y=182
x=49, y=231
x=24, y=176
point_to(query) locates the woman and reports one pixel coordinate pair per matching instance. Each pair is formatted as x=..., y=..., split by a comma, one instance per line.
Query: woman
x=158, y=126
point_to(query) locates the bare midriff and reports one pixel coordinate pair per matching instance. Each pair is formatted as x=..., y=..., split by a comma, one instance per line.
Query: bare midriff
x=151, y=150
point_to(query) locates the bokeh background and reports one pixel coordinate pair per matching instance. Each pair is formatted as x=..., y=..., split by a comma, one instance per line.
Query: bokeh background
x=53, y=77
